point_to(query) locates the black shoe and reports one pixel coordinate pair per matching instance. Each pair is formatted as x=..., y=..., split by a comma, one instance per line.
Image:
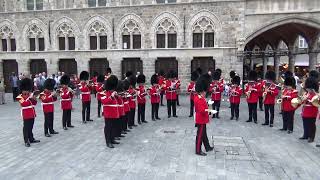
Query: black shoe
x=271, y=125
x=89, y=120
x=130, y=127
x=318, y=145
x=289, y=132
x=231, y=118
x=261, y=109
x=123, y=132
x=282, y=129
x=27, y=144
x=35, y=141
x=117, y=138
x=249, y=121
x=109, y=145
x=139, y=122
x=303, y=138
x=121, y=136
x=218, y=117
x=265, y=124
x=70, y=126
x=210, y=149
x=84, y=122
x=162, y=105
x=47, y=135
x=190, y=116
x=114, y=142
x=169, y=116
x=175, y=116
x=237, y=118
x=201, y=153
x=54, y=132
x=255, y=122
x=145, y=121
x=134, y=125
x=310, y=140
x=65, y=128
x=153, y=120
x=127, y=130
x=158, y=119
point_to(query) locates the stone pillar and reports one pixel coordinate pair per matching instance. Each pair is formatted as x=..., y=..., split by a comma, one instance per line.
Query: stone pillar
x=312, y=60
x=148, y=67
x=66, y=42
x=8, y=44
x=251, y=63
x=115, y=65
x=265, y=65
x=52, y=66
x=276, y=65
x=185, y=72
x=23, y=66
x=292, y=61
x=98, y=42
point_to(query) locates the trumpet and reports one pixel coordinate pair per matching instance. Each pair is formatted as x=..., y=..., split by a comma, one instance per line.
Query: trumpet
x=250, y=84
x=295, y=102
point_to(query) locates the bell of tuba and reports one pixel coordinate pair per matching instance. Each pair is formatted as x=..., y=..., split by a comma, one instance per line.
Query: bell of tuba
x=315, y=101
x=295, y=102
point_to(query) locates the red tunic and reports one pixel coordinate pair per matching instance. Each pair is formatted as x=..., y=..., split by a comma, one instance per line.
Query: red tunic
x=141, y=92
x=287, y=96
x=309, y=110
x=271, y=95
x=85, y=92
x=261, y=84
x=132, y=98
x=200, y=106
x=27, y=106
x=235, y=95
x=216, y=89
x=155, y=94
x=99, y=90
x=126, y=104
x=191, y=89
x=171, y=90
x=162, y=82
x=66, y=99
x=110, y=106
x=47, y=100
x=254, y=95
x=120, y=106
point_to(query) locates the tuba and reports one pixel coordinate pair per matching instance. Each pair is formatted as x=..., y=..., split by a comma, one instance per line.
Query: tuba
x=295, y=102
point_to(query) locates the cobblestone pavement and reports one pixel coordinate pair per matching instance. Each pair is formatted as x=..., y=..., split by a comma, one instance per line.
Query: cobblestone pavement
x=156, y=150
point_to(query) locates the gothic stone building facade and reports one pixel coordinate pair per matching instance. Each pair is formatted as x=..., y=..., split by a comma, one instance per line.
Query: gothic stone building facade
x=143, y=35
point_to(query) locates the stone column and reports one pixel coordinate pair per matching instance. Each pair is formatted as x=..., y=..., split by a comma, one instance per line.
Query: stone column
x=98, y=42
x=66, y=42
x=115, y=65
x=265, y=65
x=185, y=72
x=8, y=44
x=276, y=65
x=251, y=63
x=23, y=66
x=52, y=66
x=148, y=67
x=312, y=60
x=292, y=61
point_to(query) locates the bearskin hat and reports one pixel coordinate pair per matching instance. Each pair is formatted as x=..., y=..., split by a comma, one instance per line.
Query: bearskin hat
x=219, y=70
x=154, y=79
x=270, y=75
x=108, y=71
x=84, y=75
x=253, y=75
x=100, y=78
x=141, y=79
x=216, y=75
x=170, y=74
x=194, y=76
x=311, y=83
x=175, y=75
x=314, y=74
x=232, y=74
x=26, y=84
x=133, y=81
x=129, y=73
x=288, y=74
x=49, y=84
x=202, y=83
x=236, y=80
x=65, y=80
x=161, y=73
x=95, y=74
x=125, y=84
x=111, y=83
x=290, y=81
x=119, y=86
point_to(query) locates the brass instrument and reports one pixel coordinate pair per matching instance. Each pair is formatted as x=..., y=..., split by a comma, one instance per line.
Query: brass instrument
x=248, y=93
x=210, y=110
x=295, y=102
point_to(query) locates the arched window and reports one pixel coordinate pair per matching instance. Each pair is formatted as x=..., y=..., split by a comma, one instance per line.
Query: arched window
x=34, y=5
x=36, y=38
x=203, y=33
x=66, y=37
x=131, y=35
x=8, y=41
x=166, y=34
x=96, y=3
x=98, y=36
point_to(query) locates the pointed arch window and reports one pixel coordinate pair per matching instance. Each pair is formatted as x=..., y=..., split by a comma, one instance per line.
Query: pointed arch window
x=66, y=37
x=131, y=35
x=203, y=33
x=8, y=41
x=98, y=36
x=166, y=34
x=36, y=38
x=34, y=5
x=96, y=3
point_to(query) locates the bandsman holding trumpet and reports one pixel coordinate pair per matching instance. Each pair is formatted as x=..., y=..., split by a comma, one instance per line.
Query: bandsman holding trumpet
x=270, y=92
x=99, y=90
x=48, y=98
x=191, y=90
x=171, y=94
x=85, y=96
x=154, y=93
x=216, y=89
x=141, y=93
x=132, y=94
x=251, y=91
x=66, y=94
x=289, y=93
x=234, y=97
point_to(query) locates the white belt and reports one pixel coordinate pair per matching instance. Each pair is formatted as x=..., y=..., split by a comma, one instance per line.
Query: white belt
x=121, y=105
x=216, y=92
x=49, y=103
x=110, y=105
x=85, y=92
x=27, y=107
x=172, y=91
x=133, y=99
x=126, y=102
x=65, y=99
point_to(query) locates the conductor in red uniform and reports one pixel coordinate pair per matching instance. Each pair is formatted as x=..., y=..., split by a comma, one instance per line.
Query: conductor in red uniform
x=234, y=97
x=191, y=91
x=27, y=102
x=48, y=98
x=155, y=97
x=252, y=93
x=99, y=90
x=66, y=94
x=202, y=114
x=85, y=96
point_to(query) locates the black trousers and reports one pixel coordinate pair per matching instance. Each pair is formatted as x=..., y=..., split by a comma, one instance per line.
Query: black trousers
x=116, y=127
x=172, y=105
x=99, y=108
x=309, y=127
x=161, y=97
x=66, y=118
x=86, y=111
x=234, y=110
x=155, y=111
x=48, y=122
x=131, y=117
x=261, y=103
x=191, y=107
x=202, y=137
x=27, y=130
x=15, y=92
x=216, y=106
x=269, y=113
x=252, y=111
x=288, y=119
x=178, y=100
x=108, y=129
x=125, y=122
x=141, y=112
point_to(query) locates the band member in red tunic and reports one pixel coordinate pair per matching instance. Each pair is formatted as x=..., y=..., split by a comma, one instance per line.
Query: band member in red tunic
x=251, y=91
x=66, y=94
x=309, y=110
x=108, y=73
x=27, y=101
x=85, y=89
x=171, y=94
x=162, y=81
x=48, y=98
x=270, y=92
x=94, y=82
x=155, y=97
x=99, y=90
x=126, y=101
x=110, y=109
x=178, y=85
x=261, y=84
x=216, y=89
x=288, y=110
x=141, y=96
x=191, y=91
x=235, y=93
x=202, y=114
x=133, y=99
x=118, y=124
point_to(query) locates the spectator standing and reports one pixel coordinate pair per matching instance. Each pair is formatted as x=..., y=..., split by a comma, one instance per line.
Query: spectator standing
x=14, y=82
x=2, y=91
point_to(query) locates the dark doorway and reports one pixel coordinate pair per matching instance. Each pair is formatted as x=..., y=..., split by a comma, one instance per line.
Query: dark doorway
x=98, y=65
x=205, y=63
x=131, y=64
x=68, y=66
x=9, y=66
x=166, y=64
x=37, y=66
